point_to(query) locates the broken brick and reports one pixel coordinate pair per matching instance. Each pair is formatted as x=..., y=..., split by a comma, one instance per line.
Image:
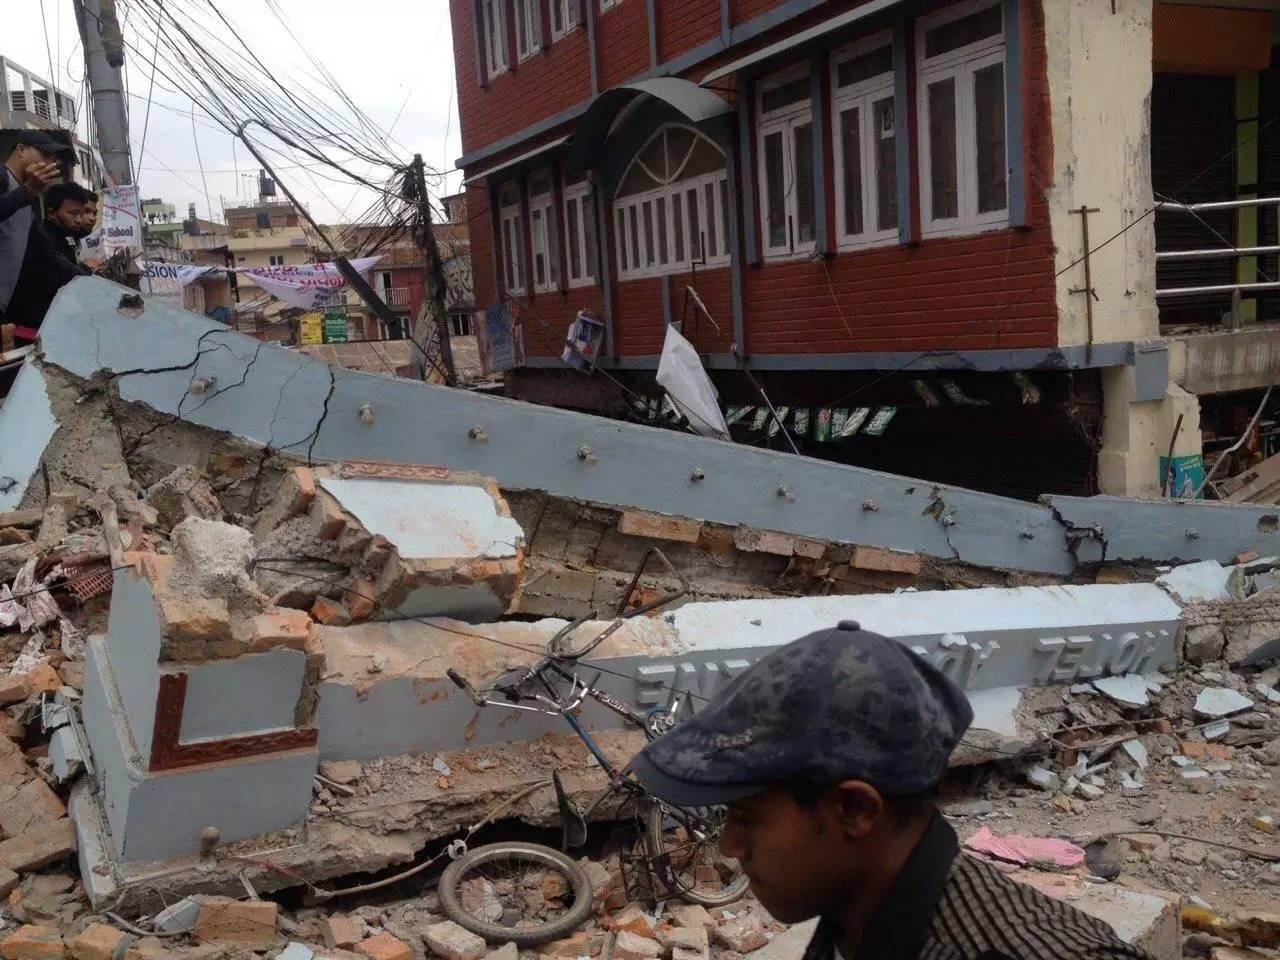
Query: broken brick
x=764, y=541
x=42, y=679
x=631, y=946
x=98, y=941
x=1200, y=750
x=32, y=806
x=360, y=602
x=13, y=690
x=633, y=919
x=691, y=915
x=742, y=934
x=154, y=566
x=885, y=561
x=293, y=497
x=280, y=628
x=71, y=674
x=12, y=729
x=8, y=881
x=686, y=938
x=385, y=947
x=341, y=931
x=32, y=943
x=195, y=618
x=452, y=942
x=250, y=924
x=637, y=523
x=327, y=519
x=330, y=612
x=39, y=847
x=575, y=945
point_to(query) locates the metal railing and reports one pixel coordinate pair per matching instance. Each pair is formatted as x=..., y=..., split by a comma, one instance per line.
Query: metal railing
x=1216, y=253
x=34, y=95
x=395, y=296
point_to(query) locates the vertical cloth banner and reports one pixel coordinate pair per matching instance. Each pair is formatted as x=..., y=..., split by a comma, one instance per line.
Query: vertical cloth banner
x=680, y=373
x=168, y=281
x=308, y=286
x=585, y=337
x=500, y=341
x=121, y=221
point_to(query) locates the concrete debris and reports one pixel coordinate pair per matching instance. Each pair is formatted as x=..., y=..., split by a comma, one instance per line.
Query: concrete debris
x=1215, y=702
x=1137, y=752
x=245, y=924
x=452, y=942
x=1129, y=690
x=182, y=494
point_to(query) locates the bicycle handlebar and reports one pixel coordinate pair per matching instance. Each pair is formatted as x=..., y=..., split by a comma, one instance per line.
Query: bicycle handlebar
x=461, y=682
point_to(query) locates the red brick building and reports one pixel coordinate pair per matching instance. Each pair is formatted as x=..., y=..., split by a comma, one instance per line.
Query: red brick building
x=862, y=193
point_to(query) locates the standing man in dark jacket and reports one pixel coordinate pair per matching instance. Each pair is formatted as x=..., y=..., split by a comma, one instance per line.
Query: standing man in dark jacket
x=827, y=753
x=51, y=260
x=31, y=168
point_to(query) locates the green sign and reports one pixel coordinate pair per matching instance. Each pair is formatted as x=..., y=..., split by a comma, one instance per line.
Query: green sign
x=335, y=328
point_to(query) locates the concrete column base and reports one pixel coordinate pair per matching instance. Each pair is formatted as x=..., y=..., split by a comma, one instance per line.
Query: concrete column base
x=1136, y=434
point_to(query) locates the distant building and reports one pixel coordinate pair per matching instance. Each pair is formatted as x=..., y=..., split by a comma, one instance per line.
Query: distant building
x=29, y=102
x=161, y=231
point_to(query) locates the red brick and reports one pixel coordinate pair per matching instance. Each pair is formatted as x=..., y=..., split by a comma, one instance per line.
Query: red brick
x=32, y=943
x=360, y=600
x=250, y=924
x=330, y=612
x=195, y=618
x=98, y=941
x=32, y=805
x=636, y=523
x=280, y=628
x=885, y=561
x=385, y=947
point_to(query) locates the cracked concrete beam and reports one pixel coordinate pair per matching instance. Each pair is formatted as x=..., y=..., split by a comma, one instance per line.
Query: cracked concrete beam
x=1113, y=528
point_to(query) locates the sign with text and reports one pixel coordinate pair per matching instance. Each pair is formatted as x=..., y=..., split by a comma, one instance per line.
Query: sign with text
x=308, y=286
x=168, y=281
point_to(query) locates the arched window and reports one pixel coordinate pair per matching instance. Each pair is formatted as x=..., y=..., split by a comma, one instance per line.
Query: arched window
x=672, y=206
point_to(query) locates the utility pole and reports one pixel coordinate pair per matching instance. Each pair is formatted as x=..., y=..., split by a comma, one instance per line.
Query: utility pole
x=103, y=57
x=435, y=268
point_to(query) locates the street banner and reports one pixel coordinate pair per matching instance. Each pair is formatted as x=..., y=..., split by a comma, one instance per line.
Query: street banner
x=681, y=374
x=500, y=341
x=121, y=221
x=168, y=281
x=308, y=286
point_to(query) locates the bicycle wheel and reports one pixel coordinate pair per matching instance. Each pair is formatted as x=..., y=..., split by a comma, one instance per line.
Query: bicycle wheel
x=684, y=851
x=521, y=893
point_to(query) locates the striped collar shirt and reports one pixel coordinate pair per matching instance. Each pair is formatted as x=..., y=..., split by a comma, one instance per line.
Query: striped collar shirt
x=948, y=905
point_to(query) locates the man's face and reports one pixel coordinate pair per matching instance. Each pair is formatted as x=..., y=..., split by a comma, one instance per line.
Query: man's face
x=68, y=215
x=799, y=858
x=88, y=218
x=31, y=156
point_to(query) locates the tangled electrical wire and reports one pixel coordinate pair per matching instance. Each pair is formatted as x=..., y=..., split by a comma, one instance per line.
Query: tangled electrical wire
x=197, y=51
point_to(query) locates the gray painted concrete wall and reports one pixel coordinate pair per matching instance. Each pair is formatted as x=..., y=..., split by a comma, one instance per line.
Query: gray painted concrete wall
x=26, y=426
x=287, y=400
x=134, y=635
x=232, y=698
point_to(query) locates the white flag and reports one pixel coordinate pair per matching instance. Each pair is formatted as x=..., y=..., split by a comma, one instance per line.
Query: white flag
x=680, y=373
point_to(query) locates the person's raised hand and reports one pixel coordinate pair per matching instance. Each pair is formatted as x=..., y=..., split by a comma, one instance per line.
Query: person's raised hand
x=40, y=176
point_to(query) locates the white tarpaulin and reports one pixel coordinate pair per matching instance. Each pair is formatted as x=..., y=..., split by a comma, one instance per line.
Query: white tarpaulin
x=308, y=286
x=168, y=281
x=121, y=220
x=680, y=373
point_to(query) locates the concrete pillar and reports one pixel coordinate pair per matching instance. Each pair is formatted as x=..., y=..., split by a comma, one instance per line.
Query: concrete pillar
x=1136, y=434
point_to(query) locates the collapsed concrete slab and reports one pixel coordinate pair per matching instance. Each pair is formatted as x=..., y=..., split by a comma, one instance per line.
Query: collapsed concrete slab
x=198, y=372
x=27, y=424
x=233, y=731
x=393, y=542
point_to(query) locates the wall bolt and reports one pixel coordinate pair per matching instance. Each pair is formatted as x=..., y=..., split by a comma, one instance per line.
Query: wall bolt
x=697, y=475
x=1193, y=533
x=202, y=385
x=209, y=838
x=785, y=493
x=366, y=415
x=870, y=506
x=478, y=434
x=584, y=453
x=949, y=520
x=1027, y=534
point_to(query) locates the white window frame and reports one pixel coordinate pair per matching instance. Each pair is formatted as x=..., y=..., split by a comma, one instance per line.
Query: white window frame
x=609, y=4
x=648, y=246
x=784, y=121
x=511, y=224
x=961, y=65
x=494, y=31
x=544, y=237
x=862, y=96
x=582, y=197
x=529, y=16
x=570, y=16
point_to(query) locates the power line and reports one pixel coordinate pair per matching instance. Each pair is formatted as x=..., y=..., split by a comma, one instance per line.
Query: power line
x=151, y=89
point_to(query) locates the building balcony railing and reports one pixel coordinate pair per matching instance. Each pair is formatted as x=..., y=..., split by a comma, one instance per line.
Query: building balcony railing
x=1226, y=251
x=396, y=296
x=26, y=95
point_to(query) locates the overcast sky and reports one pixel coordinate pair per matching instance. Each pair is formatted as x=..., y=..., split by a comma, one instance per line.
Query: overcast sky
x=385, y=53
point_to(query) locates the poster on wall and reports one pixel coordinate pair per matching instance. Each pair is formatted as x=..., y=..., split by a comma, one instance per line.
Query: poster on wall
x=1183, y=477
x=311, y=329
x=582, y=344
x=168, y=281
x=121, y=221
x=335, y=327
x=500, y=341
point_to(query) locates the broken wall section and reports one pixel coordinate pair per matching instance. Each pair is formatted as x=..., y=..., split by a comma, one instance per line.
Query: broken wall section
x=374, y=541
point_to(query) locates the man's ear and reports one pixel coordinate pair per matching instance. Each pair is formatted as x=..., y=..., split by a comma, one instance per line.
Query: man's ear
x=858, y=806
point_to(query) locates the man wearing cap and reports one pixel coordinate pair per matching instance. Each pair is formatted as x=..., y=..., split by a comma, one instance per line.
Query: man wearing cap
x=827, y=753
x=34, y=164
